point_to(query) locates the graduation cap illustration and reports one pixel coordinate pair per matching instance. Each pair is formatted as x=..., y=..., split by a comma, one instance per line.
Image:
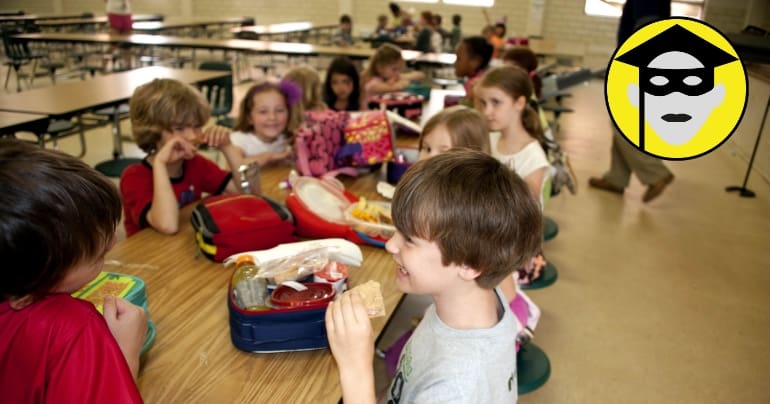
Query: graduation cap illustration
x=662, y=72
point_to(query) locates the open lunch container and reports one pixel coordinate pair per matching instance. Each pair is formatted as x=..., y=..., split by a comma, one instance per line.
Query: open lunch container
x=128, y=287
x=295, y=319
x=319, y=207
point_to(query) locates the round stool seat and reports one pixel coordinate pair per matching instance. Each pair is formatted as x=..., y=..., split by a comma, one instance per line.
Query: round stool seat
x=532, y=368
x=114, y=168
x=121, y=109
x=57, y=126
x=547, y=277
x=550, y=228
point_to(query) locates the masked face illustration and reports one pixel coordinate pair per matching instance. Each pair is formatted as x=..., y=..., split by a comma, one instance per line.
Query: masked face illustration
x=679, y=95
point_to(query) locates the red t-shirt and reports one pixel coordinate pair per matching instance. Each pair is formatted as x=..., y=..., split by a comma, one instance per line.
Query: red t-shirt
x=199, y=175
x=59, y=350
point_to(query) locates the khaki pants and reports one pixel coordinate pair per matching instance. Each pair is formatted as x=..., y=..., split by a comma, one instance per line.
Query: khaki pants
x=626, y=159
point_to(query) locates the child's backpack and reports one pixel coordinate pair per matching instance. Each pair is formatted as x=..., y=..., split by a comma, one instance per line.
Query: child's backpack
x=368, y=140
x=338, y=142
x=230, y=224
x=562, y=174
x=318, y=140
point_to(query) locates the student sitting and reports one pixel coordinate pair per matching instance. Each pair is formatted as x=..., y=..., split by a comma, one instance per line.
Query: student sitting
x=463, y=350
x=342, y=87
x=167, y=118
x=384, y=72
x=269, y=114
x=58, y=218
x=344, y=34
x=457, y=32
x=473, y=56
x=424, y=32
x=309, y=82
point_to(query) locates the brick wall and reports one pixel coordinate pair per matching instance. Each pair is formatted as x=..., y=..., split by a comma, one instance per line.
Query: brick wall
x=270, y=11
x=566, y=19
x=29, y=6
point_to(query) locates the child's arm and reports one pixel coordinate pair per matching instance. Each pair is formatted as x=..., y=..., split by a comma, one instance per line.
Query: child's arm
x=486, y=16
x=267, y=158
x=534, y=182
x=380, y=86
x=352, y=343
x=414, y=75
x=164, y=211
x=219, y=137
x=128, y=324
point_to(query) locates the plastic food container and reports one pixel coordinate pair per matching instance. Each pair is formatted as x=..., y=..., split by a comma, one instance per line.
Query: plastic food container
x=316, y=295
x=335, y=274
x=371, y=229
x=128, y=287
x=404, y=159
x=322, y=198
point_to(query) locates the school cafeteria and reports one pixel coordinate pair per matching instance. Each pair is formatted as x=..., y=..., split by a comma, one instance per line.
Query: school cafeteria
x=229, y=202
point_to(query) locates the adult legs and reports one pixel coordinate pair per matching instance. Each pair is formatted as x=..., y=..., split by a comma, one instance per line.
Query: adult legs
x=625, y=159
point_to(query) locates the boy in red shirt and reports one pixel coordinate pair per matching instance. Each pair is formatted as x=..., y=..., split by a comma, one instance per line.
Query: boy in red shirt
x=167, y=118
x=58, y=218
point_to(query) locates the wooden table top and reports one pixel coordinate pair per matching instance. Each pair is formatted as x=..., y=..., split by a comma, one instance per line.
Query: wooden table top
x=12, y=122
x=102, y=19
x=282, y=28
x=193, y=359
x=184, y=22
x=67, y=99
x=240, y=45
x=38, y=17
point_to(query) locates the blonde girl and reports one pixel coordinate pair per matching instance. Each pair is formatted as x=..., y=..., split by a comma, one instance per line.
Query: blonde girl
x=384, y=72
x=309, y=81
x=456, y=126
x=503, y=96
x=269, y=114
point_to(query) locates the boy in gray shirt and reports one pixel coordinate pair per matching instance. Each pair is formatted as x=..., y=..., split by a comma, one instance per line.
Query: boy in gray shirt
x=464, y=223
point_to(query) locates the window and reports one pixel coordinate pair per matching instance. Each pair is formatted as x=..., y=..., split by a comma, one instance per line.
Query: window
x=613, y=8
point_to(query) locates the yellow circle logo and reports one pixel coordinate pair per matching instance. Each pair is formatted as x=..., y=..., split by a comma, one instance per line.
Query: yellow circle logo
x=676, y=89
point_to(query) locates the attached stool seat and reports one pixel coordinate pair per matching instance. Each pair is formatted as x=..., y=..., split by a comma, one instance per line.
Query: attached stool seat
x=58, y=127
x=114, y=168
x=550, y=228
x=532, y=368
x=547, y=277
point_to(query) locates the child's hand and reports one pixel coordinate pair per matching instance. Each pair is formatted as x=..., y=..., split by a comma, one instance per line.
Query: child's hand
x=217, y=136
x=287, y=154
x=350, y=333
x=174, y=149
x=128, y=324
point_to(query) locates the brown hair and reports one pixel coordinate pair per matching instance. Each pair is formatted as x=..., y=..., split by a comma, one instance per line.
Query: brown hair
x=56, y=212
x=163, y=104
x=515, y=82
x=310, y=82
x=478, y=212
x=243, y=122
x=523, y=57
x=385, y=55
x=467, y=128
